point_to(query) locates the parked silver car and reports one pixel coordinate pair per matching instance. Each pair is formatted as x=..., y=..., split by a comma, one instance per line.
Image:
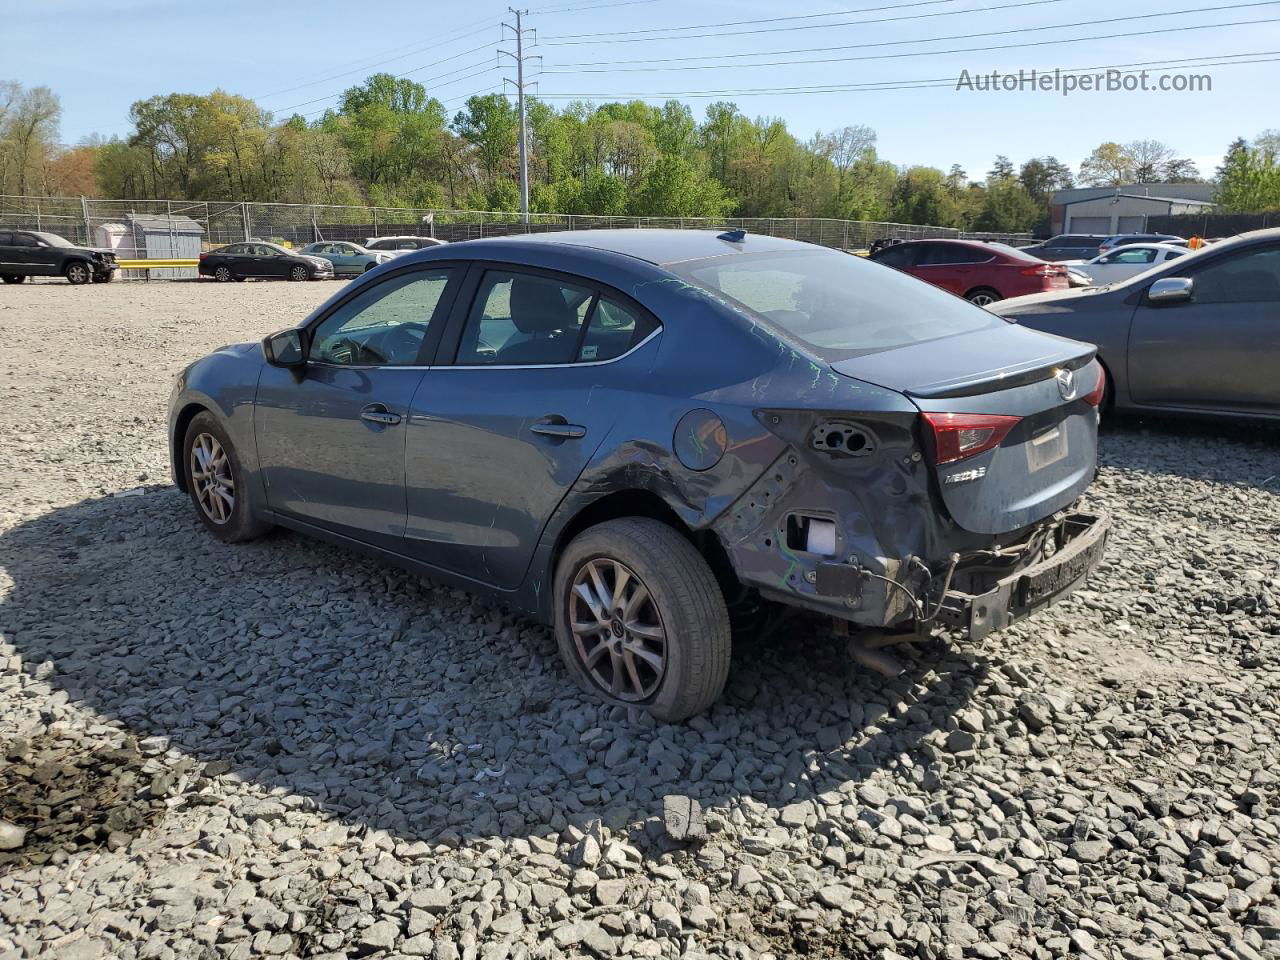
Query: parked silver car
x=1200, y=334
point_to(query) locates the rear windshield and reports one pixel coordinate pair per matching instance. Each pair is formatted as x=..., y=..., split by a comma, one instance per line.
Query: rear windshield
x=838, y=305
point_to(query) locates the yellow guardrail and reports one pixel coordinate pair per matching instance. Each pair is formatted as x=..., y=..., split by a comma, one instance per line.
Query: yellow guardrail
x=147, y=264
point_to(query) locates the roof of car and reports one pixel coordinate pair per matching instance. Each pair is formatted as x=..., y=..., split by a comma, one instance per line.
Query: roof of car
x=1149, y=246
x=652, y=245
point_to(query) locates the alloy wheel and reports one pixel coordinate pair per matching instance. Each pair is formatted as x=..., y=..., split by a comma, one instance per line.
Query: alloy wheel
x=222, y=274
x=78, y=273
x=982, y=299
x=617, y=630
x=211, y=474
x=298, y=273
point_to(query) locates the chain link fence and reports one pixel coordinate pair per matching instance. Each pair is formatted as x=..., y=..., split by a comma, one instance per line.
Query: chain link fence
x=104, y=222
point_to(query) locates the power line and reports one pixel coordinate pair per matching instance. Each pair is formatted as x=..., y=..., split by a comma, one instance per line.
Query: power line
x=586, y=8
x=448, y=83
x=1262, y=56
x=740, y=23
x=896, y=43
x=917, y=53
x=811, y=26
x=489, y=25
x=330, y=96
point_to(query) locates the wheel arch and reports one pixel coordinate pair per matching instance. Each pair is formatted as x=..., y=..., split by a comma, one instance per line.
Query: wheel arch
x=180, y=424
x=638, y=502
x=981, y=287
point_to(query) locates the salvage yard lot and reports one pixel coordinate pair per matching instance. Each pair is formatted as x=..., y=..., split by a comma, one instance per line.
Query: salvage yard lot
x=285, y=749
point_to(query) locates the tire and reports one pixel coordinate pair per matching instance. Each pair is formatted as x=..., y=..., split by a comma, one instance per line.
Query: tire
x=369, y=266
x=299, y=273
x=982, y=296
x=223, y=274
x=77, y=273
x=13, y=277
x=684, y=604
x=233, y=521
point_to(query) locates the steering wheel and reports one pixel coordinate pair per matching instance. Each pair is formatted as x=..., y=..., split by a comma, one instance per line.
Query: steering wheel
x=360, y=352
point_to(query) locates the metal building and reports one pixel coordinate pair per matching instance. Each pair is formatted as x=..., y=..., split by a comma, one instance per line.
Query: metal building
x=172, y=237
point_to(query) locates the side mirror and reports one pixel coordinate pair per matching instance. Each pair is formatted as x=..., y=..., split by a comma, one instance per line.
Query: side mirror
x=1171, y=290
x=285, y=349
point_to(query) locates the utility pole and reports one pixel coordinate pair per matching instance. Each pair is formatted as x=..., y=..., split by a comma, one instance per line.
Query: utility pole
x=519, y=58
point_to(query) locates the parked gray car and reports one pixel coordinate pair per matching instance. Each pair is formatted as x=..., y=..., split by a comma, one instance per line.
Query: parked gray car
x=644, y=437
x=1199, y=334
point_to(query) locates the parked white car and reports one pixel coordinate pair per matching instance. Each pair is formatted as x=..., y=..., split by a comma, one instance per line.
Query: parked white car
x=1127, y=261
x=400, y=245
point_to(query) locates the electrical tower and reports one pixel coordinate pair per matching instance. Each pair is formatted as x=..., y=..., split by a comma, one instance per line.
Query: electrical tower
x=519, y=30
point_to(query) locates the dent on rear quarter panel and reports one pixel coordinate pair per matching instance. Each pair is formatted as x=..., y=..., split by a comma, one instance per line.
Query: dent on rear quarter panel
x=770, y=395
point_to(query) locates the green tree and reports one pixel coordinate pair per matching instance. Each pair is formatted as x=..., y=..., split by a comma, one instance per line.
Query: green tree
x=675, y=187
x=1007, y=208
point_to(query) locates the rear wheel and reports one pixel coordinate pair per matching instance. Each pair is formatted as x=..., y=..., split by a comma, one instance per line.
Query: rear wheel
x=216, y=482
x=640, y=620
x=299, y=273
x=223, y=274
x=982, y=296
x=12, y=277
x=78, y=272
x=369, y=266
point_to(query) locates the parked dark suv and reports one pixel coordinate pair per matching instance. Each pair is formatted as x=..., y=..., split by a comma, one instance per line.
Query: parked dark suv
x=27, y=253
x=1066, y=246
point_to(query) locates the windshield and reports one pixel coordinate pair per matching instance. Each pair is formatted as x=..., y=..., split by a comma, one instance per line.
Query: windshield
x=838, y=305
x=54, y=240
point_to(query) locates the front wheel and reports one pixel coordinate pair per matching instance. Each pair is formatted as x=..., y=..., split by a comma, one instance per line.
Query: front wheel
x=299, y=273
x=216, y=482
x=982, y=297
x=12, y=277
x=640, y=620
x=78, y=272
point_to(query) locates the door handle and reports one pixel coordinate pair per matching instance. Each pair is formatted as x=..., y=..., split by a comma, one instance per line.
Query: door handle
x=377, y=413
x=558, y=429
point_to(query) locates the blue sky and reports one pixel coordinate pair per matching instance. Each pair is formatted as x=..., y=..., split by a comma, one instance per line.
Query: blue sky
x=100, y=55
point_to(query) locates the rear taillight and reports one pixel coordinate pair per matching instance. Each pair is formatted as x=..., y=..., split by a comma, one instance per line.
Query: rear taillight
x=203, y=255
x=1044, y=270
x=1094, y=397
x=957, y=436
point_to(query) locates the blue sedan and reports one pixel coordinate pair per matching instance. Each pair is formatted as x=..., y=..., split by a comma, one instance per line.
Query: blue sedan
x=651, y=439
x=348, y=259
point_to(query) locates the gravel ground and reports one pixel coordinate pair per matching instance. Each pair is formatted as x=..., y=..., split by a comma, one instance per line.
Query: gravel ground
x=281, y=749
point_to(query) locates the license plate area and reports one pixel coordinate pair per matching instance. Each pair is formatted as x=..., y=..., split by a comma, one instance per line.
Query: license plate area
x=1047, y=448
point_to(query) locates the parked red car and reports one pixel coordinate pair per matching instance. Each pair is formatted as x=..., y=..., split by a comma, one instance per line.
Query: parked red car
x=982, y=273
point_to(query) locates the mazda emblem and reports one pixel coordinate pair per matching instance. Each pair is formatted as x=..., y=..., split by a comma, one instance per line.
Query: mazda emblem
x=1066, y=384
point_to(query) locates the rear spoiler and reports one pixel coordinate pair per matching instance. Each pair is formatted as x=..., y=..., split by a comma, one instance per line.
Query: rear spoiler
x=1005, y=378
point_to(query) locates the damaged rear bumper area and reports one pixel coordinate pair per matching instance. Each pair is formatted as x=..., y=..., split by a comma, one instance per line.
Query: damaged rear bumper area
x=1079, y=544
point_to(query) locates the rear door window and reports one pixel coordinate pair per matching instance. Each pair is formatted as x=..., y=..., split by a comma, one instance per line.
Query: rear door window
x=522, y=319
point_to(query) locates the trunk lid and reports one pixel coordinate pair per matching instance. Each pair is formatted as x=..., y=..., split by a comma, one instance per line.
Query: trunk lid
x=1034, y=385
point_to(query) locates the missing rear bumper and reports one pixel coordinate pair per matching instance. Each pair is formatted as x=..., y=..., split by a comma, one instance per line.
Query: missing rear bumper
x=1082, y=542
